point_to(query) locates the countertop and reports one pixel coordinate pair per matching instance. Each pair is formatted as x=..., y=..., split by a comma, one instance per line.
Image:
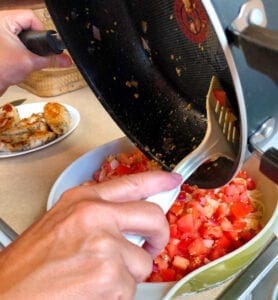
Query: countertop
x=25, y=181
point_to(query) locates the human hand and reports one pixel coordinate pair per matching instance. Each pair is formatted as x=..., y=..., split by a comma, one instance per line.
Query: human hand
x=77, y=249
x=16, y=61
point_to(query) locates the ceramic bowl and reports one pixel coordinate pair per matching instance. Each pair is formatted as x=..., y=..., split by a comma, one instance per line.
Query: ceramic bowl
x=207, y=276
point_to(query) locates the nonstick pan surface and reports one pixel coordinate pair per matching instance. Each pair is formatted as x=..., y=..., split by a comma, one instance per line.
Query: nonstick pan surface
x=150, y=64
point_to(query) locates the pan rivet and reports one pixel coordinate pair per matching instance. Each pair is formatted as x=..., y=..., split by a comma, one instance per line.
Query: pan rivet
x=256, y=17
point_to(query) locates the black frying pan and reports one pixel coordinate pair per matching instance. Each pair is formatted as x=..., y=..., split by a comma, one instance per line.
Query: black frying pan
x=150, y=64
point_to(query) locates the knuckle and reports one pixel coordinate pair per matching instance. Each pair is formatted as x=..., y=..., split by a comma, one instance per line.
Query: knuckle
x=146, y=266
x=157, y=213
x=110, y=269
x=104, y=242
x=134, y=183
x=81, y=212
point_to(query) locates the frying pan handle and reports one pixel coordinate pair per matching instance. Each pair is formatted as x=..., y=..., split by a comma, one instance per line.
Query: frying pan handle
x=269, y=164
x=260, y=47
x=268, y=158
x=43, y=43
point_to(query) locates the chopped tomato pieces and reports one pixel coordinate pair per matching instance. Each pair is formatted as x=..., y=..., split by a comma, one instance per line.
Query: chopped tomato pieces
x=197, y=247
x=241, y=209
x=204, y=224
x=251, y=185
x=186, y=224
x=168, y=275
x=220, y=96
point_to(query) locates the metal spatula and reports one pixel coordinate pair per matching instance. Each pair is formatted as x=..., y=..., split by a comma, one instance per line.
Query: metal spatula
x=221, y=139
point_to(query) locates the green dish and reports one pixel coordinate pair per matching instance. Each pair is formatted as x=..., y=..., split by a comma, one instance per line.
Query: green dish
x=228, y=266
x=206, y=277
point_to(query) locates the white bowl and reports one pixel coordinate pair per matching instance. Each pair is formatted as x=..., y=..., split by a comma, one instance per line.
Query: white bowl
x=207, y=276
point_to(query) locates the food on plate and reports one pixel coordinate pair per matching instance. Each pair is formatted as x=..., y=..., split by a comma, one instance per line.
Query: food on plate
x=33, y=131
x=8, y=117
x=204, y=224
x=57, y=117
x=20, y=132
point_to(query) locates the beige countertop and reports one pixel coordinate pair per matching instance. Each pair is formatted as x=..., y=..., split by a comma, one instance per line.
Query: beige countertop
x=25, y=181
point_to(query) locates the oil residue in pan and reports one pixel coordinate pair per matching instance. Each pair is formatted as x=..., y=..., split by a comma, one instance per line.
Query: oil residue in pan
x=149, y=76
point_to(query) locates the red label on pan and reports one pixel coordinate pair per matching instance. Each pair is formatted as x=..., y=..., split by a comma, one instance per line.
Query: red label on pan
x=192, y=19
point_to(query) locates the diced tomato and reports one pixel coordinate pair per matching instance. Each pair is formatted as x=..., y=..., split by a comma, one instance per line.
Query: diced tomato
x=225, y=224
x=220, y=96
x=181, y=196
x=172, y=218
x=122, y=170
x=188, y=188
x=196, y=262
x=172, y=247
x=246, y=235
x=210, y=208
x=216, y=253
x=222, y=210
x=239, y=224
x=208, y=230
x=174, y=231
x=251, y=185
x=242, y=174
x=168, y=274
x=186, y=224
x=204, y=224
x=197, y=247
x=161, y=262
x=231, y=190
x=125, y=158
x=243, y=197
x=240, y=209
x=177, y=208
x=223, y=243
x=155, y=277
x=232, y=235
x=197, y=194
x=96, y=175
x=183, y=244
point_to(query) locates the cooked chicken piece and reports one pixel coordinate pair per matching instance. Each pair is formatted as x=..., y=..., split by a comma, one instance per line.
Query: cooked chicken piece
x=15, y=135
x=24, y=128
x=32, y=132
x=57, y=117
x=39, y=138
x=5, y=147
x=36, y=122
x=8, y=117
x=35, y=140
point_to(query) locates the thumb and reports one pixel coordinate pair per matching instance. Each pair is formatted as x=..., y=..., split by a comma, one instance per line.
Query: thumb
x=54, y=61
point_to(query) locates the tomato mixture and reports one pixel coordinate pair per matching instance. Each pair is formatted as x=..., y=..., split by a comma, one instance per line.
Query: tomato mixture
x=204, y=224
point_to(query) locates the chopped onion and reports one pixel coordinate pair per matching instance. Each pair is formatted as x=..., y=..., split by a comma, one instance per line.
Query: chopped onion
x=208, y=243
x=114, y=164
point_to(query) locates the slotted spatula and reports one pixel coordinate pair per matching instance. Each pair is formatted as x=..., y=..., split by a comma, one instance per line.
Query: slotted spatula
x=221, y=139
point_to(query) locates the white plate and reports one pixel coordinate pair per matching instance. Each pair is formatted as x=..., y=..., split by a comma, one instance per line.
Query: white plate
x=25, y=110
